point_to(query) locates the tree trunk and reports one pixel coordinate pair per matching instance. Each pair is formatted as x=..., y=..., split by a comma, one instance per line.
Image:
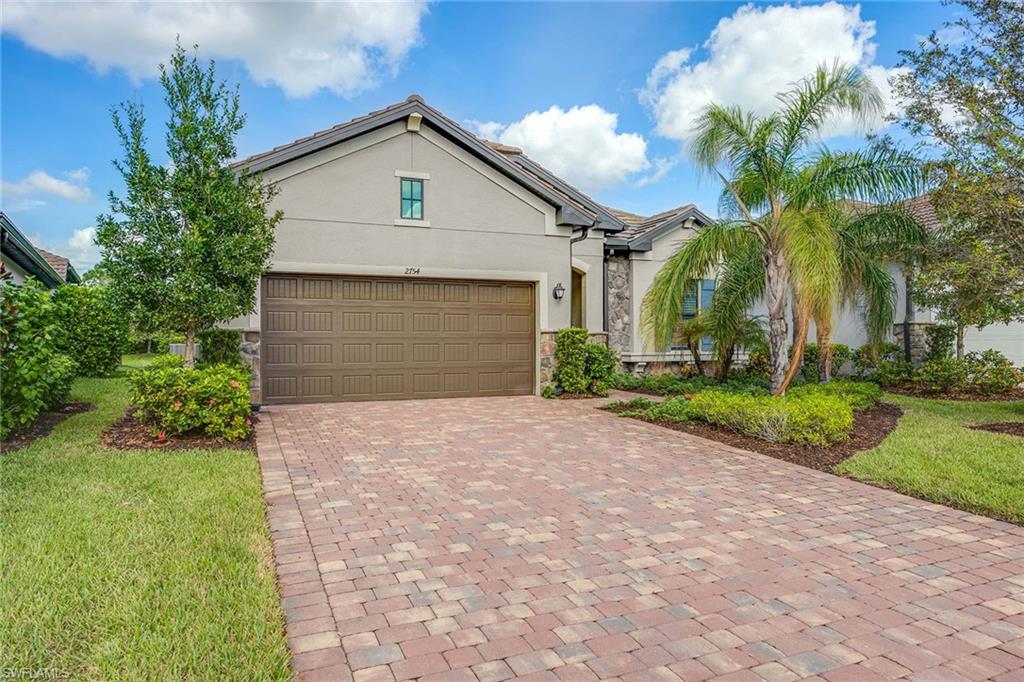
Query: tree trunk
x=698, y=364
x=190, y=348
x=959, y=341
x=778, y=331
x=726, y=363
x=823, y=335
x=797, y=361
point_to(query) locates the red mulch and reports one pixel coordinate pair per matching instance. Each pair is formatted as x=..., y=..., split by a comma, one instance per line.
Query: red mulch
x=870, y=427
x=975, y=397
x=44, y=423
x=130, y=433
x=1008, y=428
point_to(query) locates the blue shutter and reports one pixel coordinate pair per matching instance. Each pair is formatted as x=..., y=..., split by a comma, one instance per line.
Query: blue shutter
x=689, y=301
x=707, y=292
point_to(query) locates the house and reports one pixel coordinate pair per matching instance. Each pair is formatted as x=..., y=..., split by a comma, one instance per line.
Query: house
x=416, y=260
x=19, y=259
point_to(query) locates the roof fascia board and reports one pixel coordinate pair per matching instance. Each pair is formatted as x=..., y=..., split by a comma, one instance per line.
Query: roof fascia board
x=32, y=260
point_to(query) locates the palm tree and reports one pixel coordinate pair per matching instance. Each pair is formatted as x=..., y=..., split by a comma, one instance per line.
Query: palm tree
x=780, y=187
x=730, y=335
x=690, y=333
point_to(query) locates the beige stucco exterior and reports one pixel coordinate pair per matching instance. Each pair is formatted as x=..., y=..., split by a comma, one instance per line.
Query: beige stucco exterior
x=341, y=216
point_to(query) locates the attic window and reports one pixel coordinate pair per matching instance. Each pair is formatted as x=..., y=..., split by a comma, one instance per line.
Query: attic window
x=412, y=199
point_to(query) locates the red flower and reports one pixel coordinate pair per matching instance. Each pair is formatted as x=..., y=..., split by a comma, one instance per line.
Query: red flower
x=248, y=421
x=162, y=437
x=234, y=384
x=213, y=401
x=177, y=404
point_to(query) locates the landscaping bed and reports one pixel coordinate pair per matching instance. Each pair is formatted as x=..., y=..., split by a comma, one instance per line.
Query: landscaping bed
x=43, y=425
x=1007, y=428
x=966, y=396
x=131, y=433
x=870, y=427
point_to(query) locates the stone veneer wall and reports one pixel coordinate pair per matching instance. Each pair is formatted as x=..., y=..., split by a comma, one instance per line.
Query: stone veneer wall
x=918, y=340
x=620, y=322
x=547, y=353
x=250, y=349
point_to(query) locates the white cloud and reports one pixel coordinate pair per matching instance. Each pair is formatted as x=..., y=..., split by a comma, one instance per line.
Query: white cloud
x=301, y=47
x=581, y=144
x=82, y=249
x=756, y=53
x=39, y=184
x=662, y=166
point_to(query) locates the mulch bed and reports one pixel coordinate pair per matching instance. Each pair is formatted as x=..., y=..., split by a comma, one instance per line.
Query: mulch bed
x=1007, y=428
x=130, y=433
x=44, y=423
x=974, y=397
x=870, y=427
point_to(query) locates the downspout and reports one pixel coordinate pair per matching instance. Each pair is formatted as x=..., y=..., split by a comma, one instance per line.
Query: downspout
x=908, y=313
x=584, y=231
x=604, y=290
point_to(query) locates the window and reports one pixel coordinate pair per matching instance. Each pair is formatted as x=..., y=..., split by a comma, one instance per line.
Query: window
x=696, y=297
x=412, y=199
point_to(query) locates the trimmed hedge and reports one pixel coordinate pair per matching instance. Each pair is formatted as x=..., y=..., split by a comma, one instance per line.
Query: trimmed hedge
x=220, y=347
x=860, y=395
x=92, y=329
x=582, y=367
x=213, y=400
x=36, y=376
x=812, y=419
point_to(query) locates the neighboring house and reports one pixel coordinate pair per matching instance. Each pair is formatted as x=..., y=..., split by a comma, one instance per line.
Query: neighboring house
x=19, y=259
x=418, y=260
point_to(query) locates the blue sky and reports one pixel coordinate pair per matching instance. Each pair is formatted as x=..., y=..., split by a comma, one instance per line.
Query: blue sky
x=601, y=93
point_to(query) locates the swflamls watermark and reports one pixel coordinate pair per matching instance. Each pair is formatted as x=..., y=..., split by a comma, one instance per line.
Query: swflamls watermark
x=34, y=674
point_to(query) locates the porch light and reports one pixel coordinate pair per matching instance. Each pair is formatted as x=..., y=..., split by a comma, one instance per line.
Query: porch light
x=558, y=292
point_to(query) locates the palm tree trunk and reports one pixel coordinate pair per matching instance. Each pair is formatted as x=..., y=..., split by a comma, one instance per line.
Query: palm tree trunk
x=725, y=363
x=797, y=361
x=778, y=331
x=823, y=334
x=959, y=341
x=698, y=364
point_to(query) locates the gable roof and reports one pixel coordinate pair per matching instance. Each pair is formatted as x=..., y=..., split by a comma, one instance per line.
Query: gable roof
x=574, y=208
x=639, y=232
x=15, y=247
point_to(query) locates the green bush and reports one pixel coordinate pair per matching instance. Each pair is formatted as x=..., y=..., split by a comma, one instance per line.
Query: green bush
x=92, y=329
x=672, y=409
x=758, y=362
x=629, y=405
x=860, y=395
x=840, y=354
x=814, y=419
x=166, y=361
x=941, y=338
x=991, y=373
x=601, y=362
x=867, y=358
x=213, y=400
x=669, y=384
x=220, y=347
x=893, y=373
x=34, y=375
x=571, y=360
x=942, y=376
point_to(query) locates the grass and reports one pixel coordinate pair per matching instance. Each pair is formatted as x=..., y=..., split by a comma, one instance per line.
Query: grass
x=135, y=564
x=932, y=455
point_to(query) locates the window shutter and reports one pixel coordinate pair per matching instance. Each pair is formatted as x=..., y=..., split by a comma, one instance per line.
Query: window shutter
x=707, y=293
x=689, y=301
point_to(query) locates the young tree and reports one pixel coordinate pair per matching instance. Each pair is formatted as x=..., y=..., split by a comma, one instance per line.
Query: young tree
x=778, y=184
x=963, y=92
x=185, y=246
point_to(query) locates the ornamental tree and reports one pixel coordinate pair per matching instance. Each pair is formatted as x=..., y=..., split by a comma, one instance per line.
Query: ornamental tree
x=185, y=245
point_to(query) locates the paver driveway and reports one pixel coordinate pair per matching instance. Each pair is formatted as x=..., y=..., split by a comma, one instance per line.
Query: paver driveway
x=493, y=538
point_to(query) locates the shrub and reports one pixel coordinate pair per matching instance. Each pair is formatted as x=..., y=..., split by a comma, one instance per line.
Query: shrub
x=92, y=329
x=991, y=373
x=867, y=358
x=814, y=419
x=629, y=405
x=35, y=375
x=220, y=347
x=601, y=362
x=669, y=384
x=942, y=376
x=571, y=360
x=548, y=392
x=213, y=400
x=940, y=341
x=673, y=409
x=893, y=372
x=166, y=361
x=758, y=363
x=859, y=395
x=812, y=360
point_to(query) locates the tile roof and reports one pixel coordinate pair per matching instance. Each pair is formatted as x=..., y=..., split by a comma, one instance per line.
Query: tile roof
x=638, y=226
x=60, y=264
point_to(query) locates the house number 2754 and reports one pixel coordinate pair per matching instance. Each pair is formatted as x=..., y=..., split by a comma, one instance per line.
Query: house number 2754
x=412, y=271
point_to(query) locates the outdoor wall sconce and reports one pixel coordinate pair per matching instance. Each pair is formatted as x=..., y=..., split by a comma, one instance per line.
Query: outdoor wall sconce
x=558, y=292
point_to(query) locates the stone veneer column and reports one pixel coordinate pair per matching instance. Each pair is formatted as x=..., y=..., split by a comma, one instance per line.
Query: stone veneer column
x=620, y=322
x=250, y=349
x=547, y=353
x=918, y=340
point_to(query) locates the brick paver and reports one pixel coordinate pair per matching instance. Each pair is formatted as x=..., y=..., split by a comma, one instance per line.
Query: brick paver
x=490, y=538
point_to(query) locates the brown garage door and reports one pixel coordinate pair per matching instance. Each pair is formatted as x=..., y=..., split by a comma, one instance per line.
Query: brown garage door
x=329, y=338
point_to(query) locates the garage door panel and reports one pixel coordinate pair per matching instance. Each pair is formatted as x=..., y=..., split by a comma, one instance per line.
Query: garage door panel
x=348, y=338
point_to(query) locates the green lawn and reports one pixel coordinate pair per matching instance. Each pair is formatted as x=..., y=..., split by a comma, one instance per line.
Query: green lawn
x=932, y=455
x=135, y=565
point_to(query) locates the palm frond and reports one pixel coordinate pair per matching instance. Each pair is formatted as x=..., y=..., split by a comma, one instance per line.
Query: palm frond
x=877, y=175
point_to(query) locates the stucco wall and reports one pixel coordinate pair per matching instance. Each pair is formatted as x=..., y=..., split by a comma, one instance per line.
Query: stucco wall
x=18, y=274
x=341, y=206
